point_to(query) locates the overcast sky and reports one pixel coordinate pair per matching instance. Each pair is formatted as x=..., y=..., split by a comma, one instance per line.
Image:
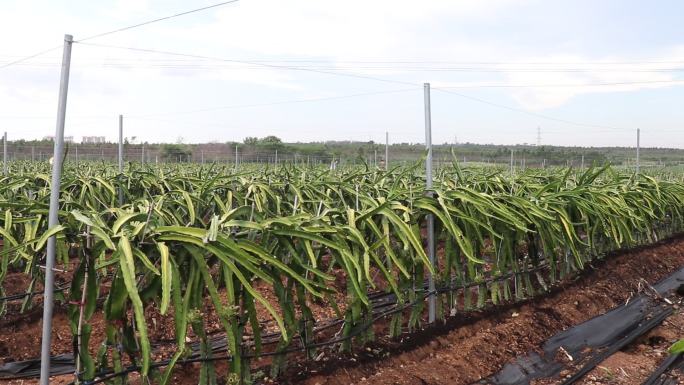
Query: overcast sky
x=308, y=70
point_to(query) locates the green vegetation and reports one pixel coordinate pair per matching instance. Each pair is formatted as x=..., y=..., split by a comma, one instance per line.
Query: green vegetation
x=261, y=150
x=174, y=152
x=192, y=240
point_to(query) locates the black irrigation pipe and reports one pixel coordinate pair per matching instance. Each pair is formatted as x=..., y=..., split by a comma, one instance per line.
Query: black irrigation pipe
x=673, y=362
x=15, y=297
x=380, y=301
x=358, y=330
x=40, y=293
x=629, y=338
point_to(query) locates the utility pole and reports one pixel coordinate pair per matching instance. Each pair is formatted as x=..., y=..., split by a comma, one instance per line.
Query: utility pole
x=76, y=153
x=386, y=150
x=53, y=219
x=276, y=157
x=142, y=154
x=33, y=153
x=432, y=301
x=638, y=146
x=512, y=163
x=120, y=144
x=236, y=156
x=5, y=169
x=121, y=159
x=582, y=168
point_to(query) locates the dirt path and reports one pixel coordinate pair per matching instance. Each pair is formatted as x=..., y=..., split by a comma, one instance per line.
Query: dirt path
x=475, y=351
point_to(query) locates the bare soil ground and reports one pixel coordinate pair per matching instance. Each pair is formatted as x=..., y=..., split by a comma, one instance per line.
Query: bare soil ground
x=481, y=347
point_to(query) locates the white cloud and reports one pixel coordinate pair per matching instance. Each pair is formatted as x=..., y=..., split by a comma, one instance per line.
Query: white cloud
x=605, y=72
x=333, y=33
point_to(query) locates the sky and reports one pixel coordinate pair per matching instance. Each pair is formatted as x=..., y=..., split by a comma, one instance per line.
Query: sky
x=580, y=72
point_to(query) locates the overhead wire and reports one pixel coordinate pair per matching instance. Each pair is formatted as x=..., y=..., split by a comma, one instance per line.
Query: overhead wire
x=265, y=65
x=294, y=101
x=235, y=106
x=330, y=65
x=672, y=81
x=155, y=21
x=327, y=72
x=452, y=62
x=570, y=122
x=29, y=57
x=284, y=67
x=25, y=58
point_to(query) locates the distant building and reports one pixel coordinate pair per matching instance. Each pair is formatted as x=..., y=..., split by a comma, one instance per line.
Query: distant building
x=67, y=139
x=93, y=139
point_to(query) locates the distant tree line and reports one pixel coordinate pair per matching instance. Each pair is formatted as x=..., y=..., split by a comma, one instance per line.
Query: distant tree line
x=263, y=149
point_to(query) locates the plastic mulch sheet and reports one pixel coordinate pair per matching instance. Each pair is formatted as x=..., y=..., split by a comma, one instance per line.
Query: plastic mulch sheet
x=592, y=341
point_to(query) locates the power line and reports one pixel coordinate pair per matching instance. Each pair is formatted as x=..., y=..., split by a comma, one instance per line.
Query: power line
x=444, y=62
x=310, y=100
x=202, y=64
x=673, y=81
x=274, y=66
x=451, y=62
x=154, y=51
x=25, y=58
x=528, y=112
x=235, y=106
x=155, y=20
x=283, y=67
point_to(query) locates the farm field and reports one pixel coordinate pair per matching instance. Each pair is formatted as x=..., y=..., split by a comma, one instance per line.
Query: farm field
x=238, y=192
x=210, y=273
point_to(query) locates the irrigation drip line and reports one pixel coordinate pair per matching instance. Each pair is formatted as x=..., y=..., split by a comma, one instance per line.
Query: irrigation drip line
x=40, y=293
x=355, y=333
x=379, y=300
x=664, y=374
x=15, y=297
x=656, y=320
x=219, y=345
